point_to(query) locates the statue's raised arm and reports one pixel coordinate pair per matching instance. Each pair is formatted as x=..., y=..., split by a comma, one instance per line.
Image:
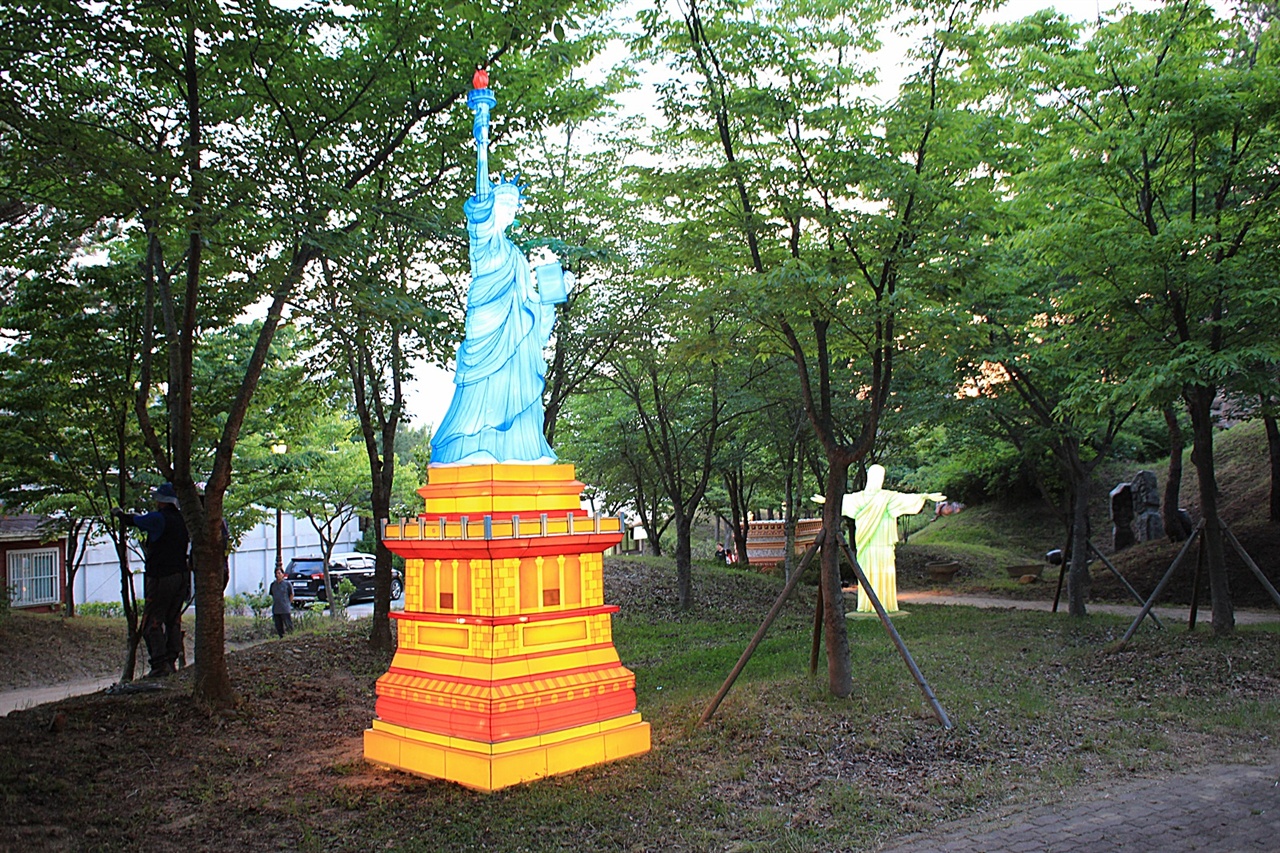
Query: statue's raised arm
x=875, y=511
x=481, y=101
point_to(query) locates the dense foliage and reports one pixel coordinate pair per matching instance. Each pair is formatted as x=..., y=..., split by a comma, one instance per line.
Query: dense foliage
x=1048, y=244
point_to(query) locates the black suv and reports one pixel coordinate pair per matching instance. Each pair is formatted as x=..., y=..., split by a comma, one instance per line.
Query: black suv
x=306, y=576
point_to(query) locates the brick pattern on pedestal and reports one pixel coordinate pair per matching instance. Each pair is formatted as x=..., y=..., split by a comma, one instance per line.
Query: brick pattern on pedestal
x=505, y=669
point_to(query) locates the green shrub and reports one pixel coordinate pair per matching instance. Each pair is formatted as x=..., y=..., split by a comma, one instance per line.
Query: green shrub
x=342, y=597
x=259, y=602
x=246, y=629
x=309, y=617
x=105, y=609
x=236, y=605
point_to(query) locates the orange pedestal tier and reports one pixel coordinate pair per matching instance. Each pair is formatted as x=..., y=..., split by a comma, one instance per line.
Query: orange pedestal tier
x=505, y=670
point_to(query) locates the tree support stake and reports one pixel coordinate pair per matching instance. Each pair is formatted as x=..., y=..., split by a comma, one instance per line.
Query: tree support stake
x=1164, y=581
x=864, y=585
x=934, y=705
x=760, y=632
x=1136, y=596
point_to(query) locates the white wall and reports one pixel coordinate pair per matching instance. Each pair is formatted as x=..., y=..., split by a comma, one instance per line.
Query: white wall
x=253, y=562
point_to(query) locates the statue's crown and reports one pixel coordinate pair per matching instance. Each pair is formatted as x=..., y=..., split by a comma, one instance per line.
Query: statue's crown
x=510, y=184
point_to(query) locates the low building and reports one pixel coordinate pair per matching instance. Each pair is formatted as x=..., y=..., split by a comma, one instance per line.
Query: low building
x=251, y=565
x=35, y=569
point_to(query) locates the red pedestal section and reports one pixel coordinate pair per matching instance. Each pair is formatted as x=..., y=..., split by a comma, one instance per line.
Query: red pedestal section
x=505, y=670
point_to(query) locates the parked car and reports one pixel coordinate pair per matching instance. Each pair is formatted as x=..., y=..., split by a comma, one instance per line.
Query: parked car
x=306, y=576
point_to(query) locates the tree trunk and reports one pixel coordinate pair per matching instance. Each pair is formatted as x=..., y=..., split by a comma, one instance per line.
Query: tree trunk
x=794, y=479
x=74, y=557
x=839, y=663
x=1199, y=402
x=128, y=603
x=1273, y=448
x=327, y=549
x=1173, y=524
x=733, y=484
x=684, y=560
x=649, y=518
x=380, y=630
x=212, y=683
x=1078, y=580
x=740, y=534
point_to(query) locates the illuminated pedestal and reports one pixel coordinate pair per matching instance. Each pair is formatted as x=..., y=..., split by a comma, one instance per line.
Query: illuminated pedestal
x=505, y=670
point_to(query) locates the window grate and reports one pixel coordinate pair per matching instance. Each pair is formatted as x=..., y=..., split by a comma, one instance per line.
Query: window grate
x=33, y=577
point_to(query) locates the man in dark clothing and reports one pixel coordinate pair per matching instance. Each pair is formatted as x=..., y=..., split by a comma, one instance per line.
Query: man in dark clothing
x=167, y=581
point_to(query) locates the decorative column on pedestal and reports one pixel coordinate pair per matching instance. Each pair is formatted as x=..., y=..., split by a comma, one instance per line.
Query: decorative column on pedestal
x=505, y=670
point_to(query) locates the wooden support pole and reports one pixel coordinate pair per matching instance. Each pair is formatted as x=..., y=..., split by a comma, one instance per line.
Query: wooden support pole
x=1195, y=586
x=1253, y=567
x=1137, y=597
x=760, y=632
x=817, y=632
x=865, y=587
x=1128, y=635
x=1062, y=573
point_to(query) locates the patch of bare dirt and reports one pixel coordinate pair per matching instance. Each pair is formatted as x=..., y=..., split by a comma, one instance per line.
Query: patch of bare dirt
x=166, y=765
x=39, y=649
x=647, y=588
x=1145, y=564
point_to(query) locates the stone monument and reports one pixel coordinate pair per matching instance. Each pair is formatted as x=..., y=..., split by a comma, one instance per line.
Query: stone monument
x=1121, y=517
x=1135, y=511
x=1147, y=523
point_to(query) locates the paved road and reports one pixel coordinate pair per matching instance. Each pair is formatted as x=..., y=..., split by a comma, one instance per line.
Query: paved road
x=365, y=608
x=1226, y=808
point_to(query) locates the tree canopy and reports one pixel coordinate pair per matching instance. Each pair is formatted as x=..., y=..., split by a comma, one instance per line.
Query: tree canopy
x=218, y=219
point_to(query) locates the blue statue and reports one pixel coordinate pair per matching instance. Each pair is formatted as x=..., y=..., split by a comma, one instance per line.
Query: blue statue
x=496, y=411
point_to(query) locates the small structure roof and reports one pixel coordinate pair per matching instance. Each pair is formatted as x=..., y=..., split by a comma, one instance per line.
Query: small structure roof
x=22, y=526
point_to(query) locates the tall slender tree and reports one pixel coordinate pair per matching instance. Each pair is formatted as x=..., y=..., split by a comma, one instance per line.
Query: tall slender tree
x=237, y=140
x=830, y=214
x=1153, y=171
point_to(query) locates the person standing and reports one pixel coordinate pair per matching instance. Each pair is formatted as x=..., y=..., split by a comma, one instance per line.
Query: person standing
x=167, y=581
x=281, y=604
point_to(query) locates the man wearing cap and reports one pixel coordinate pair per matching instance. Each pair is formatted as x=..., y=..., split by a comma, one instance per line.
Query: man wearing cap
x=167, y=581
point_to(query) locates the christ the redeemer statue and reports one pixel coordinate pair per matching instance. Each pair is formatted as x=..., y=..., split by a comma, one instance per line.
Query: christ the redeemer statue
x=875, y=512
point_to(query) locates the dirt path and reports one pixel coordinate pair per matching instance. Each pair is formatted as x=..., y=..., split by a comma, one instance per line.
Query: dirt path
x=1172, y=616
x=29, y=697
x=23, y=698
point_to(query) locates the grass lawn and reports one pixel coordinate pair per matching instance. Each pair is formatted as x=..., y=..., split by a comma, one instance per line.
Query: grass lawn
x=1041, y=711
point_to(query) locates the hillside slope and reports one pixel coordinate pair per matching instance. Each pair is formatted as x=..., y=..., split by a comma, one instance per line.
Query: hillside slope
x=988, y=539
x=1244, y=487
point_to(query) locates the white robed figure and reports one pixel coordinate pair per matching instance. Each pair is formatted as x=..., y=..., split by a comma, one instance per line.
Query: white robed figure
x=875, y=512
x=496, y=412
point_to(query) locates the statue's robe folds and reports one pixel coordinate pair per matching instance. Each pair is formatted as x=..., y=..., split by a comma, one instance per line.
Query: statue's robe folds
x=496, y=412
x=875, y=515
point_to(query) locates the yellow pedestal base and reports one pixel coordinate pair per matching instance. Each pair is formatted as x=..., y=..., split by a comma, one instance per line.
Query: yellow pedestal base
x=490, y=767
x=505, y=670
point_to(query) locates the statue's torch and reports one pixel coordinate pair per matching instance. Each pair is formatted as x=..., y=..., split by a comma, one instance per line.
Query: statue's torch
x=480, y=99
